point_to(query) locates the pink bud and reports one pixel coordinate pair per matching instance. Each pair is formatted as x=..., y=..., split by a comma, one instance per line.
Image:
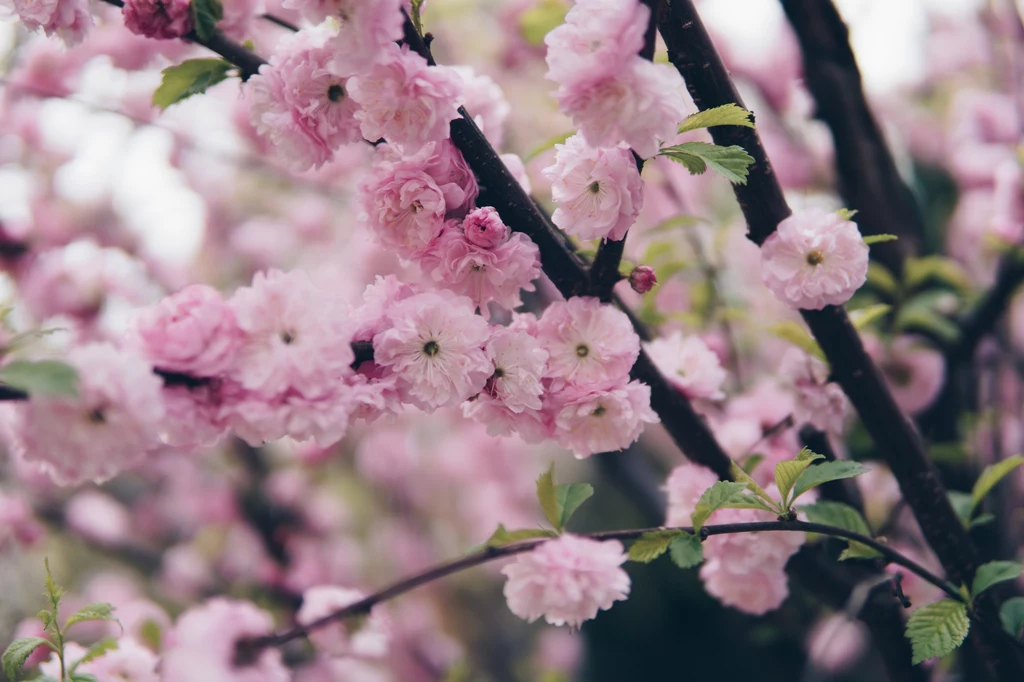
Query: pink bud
x=483, y=228
x=642, y=279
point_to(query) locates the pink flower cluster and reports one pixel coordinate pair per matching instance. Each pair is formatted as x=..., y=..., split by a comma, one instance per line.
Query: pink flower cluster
x=345, y=80
x=70, y=20
x=814, y=259
x=158, y=19
x=612, y=94
x=598, y=191
x=819, y=402
x=567, y=580
x=744, y=570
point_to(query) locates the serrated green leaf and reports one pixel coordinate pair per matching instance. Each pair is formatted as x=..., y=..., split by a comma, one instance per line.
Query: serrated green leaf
x=45, y=617
x=786, y=473
x=686, y=551
x=95, y=651
x=879, y=238
x=44, y=377
x=18, y=652
x=990, y=476
x=743, y=477
x=714, y=498
x=537, y=21
x=726, y=115
x=1011, y=613
x=808, y=455
x=90, y=613
x=54, y=592
x=798, y=336
x=993, y=573
x=570, y=496
x=748, y=501
x=842, y=516
x=205, y=15
x=732, y=163
x=652, y=545
x=825, y=472
x=191, y=77
x=863, y=317
x=880, y=278
x=547, y=495
x=937, y=629
x=501, y=536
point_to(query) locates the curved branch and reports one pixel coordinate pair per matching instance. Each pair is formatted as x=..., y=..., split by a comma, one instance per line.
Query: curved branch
x=983, y=318
x=248, y=648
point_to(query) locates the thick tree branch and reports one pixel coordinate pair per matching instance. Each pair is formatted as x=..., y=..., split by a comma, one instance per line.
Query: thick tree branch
x=763, y=205
x=868, y=179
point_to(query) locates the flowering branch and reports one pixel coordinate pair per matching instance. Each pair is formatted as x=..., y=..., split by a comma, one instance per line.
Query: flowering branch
x=868, y=179
x=248, y=648
x=764, y=207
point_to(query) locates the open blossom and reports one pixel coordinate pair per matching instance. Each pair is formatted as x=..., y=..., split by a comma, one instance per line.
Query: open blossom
x=598, y=191
x=297, y=335
x=819, y=402
x=366, y=27
x=689, y=365
x=484, y=274
x=914, y=371
x=587, y=342
x=107, y=428
x=814, y=259
x=566, y=580
x=684, y=486
x=435, y=346
x=592, y=419
x=405, y=209
x=301, y=101
x=369, y=641
x=158, y=19
x=518, y=369
x=193, y=331
x=405, y=101
x=70, y=20
x=203, y=645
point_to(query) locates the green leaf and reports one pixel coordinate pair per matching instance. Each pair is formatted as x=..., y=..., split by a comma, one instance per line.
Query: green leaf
x=725, y=115
x=191, y=77
x=18, y=652
x=90, y=613
x=570, y=496
x=962, y=505
x=797, y=335
x=1011, y=613
x=846, y=517
x=686, y=551
x=501, y=536
x=788, y=471
x=537, y=22
x=96, y=650
x=151, y=634
x=750, y=463
x=879, y=238
x=880, y=278
x=990, y=476
x=847, y=213
x=865, y=316
x=743, y=477
x=911, y=317
x=83, y=677
x=729, y=162
x=917, y=271
x=46, y=617
x=652, y=545
x=416, y=7
x=824, y=473
x=857, y=550
x=548, y=497
x=53, y=591
x=714, y=498
x=937, y=629
x=205, y=15
x=992, y=573
x=45, y=377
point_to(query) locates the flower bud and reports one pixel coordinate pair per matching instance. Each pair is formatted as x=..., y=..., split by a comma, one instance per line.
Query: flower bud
x=483, y=228
x=642, y=279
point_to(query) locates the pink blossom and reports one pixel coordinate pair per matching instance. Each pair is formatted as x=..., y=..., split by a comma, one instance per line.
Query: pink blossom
x=18, y=523
x=819, y=402
x=483, y=227
x=519, y=363
x=443, y=162
x=914, y=372
x=689, y=365
x=369, y=641
x=158, y=19
x=107, y=428
x=98, y=517
x=814, y=259
x=485, y=275
x=684, y=486
x=301, y=101
x=405, y=101
x=192, y=416
x=193, y=332
x=642, y=279
x=370, y=318
x=747, y=571
x=405, y=209
x=435, y=346
x=486, y=103
x=639, y=105
x=203, y=645
x=835, y=643
x=366, y=27
x=129, y=661
x=69, y=20
x=597, y=37
x=592, y=419
x=321, y=415
x=587, y=342
x=297, y=336
x=566, y=580
x=598, y=191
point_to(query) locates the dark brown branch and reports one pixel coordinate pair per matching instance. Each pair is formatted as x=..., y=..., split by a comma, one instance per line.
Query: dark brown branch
x=763, y=205
x=986, y=314
x=868, y=179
